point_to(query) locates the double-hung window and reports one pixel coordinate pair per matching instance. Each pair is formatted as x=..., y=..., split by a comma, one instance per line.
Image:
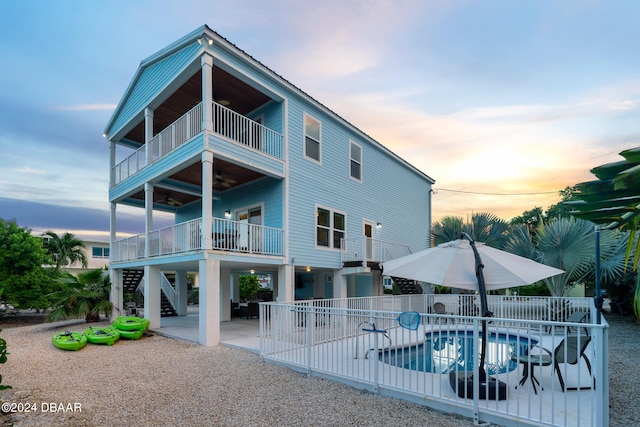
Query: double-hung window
x=355, y=162
x=330, y=228
x=312, y=138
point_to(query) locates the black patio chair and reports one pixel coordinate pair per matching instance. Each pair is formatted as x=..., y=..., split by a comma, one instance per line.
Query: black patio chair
x=570, y=350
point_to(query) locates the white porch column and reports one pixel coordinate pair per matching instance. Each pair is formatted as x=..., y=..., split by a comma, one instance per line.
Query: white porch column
x=206, y=63
x=376, y=283
x=225, y=293
x=148, y=132
x=116, y=297
x=207, y=199
x=286, y=281
x=112, y=225
x=152, y=281
x=235, y=286
x=339, y=284
x=351, y=285
x=209, y=321
x=182, y=292
x=148, y=217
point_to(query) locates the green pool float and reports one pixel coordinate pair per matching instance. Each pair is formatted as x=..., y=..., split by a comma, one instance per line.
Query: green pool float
x=68, y=340
x=131, y=335
x=130, y=323
x=100, y=335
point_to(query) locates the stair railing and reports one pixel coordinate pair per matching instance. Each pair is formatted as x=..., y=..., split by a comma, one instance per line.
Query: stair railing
x=166, y=287
x=169, y=291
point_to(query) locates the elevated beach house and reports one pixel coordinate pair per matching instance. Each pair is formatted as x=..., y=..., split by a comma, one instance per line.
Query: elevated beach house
x=258, y=178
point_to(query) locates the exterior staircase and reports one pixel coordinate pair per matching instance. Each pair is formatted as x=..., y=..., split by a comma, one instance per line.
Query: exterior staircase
x=131, y=280
x=407, y=286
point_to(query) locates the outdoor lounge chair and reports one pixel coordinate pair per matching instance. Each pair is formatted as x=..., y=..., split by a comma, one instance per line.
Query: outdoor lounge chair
x=570, y=350
x=578, y=317
x=439, y=308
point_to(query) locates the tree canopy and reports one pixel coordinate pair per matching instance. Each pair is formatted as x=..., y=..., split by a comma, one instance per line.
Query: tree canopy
x=23, y=281
x=64, y=250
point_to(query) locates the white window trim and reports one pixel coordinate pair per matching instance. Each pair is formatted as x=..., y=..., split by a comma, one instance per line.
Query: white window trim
x=331, y=227
x=304, y=139
x=360, y=162
x=103, y=249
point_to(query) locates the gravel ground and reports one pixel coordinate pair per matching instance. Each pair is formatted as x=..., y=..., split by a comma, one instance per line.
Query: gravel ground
x=159, y=381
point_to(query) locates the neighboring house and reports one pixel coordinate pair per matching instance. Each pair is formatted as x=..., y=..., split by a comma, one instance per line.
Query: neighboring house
x=97, y=254
x=259, y=177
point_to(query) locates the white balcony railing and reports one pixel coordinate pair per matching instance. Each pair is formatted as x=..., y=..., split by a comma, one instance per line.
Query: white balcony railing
x=238, y=236
x=226, y=123
x=248, y=132
x=365, y=249
x=226, y=235
x=181, y=237
x=180, y=131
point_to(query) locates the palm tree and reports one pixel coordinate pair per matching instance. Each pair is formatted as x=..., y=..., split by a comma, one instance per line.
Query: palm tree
x=489, y=229
x=86, y=295
x=447, y=229
x=65, y=250
x=484, y=227
x=569, y=244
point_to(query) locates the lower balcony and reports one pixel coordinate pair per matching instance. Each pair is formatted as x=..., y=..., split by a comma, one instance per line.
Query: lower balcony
x=368, y=252
x=226, y=235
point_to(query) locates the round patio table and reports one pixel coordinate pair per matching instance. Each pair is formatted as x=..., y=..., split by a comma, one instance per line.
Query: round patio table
x=528, y=363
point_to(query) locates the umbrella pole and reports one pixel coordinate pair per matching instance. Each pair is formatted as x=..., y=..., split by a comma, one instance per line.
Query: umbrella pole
x=483, y=303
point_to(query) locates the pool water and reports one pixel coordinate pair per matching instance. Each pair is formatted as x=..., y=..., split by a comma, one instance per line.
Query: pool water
x=442, y=351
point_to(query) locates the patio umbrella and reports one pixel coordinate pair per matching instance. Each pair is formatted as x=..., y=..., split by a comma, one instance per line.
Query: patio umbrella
x=466, y=264
x=453, y=264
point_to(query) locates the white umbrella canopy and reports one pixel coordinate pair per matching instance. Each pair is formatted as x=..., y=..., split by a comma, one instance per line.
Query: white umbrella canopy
x=453, y=264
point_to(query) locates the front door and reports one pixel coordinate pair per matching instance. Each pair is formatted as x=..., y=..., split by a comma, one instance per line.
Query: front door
x=369, y=241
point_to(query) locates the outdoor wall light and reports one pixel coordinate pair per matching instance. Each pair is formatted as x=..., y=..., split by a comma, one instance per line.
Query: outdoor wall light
x=205, y=39
x=379, y=225
x=308, y=269
x=227, y=214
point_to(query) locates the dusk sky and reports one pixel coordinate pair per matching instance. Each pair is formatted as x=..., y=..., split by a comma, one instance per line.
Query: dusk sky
x=503, y=103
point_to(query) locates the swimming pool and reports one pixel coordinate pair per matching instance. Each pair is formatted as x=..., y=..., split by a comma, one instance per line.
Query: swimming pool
x=443, y=350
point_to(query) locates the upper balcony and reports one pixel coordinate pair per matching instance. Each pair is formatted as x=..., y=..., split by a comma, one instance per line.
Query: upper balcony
x=226, y=123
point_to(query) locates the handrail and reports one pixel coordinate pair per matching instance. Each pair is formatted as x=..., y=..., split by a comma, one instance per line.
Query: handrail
x=226, y=122
x=250, y=133
x=368, y=249
x=170, y=138
x=169, y=291
x=226, y=235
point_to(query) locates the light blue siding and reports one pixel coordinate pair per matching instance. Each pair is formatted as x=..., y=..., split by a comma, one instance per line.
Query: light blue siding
x=151, y=82
x=239, y=152
x=266, y=192
x=391, y=192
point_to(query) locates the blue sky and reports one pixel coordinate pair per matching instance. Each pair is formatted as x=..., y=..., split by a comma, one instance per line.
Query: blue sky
x=505, y=102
